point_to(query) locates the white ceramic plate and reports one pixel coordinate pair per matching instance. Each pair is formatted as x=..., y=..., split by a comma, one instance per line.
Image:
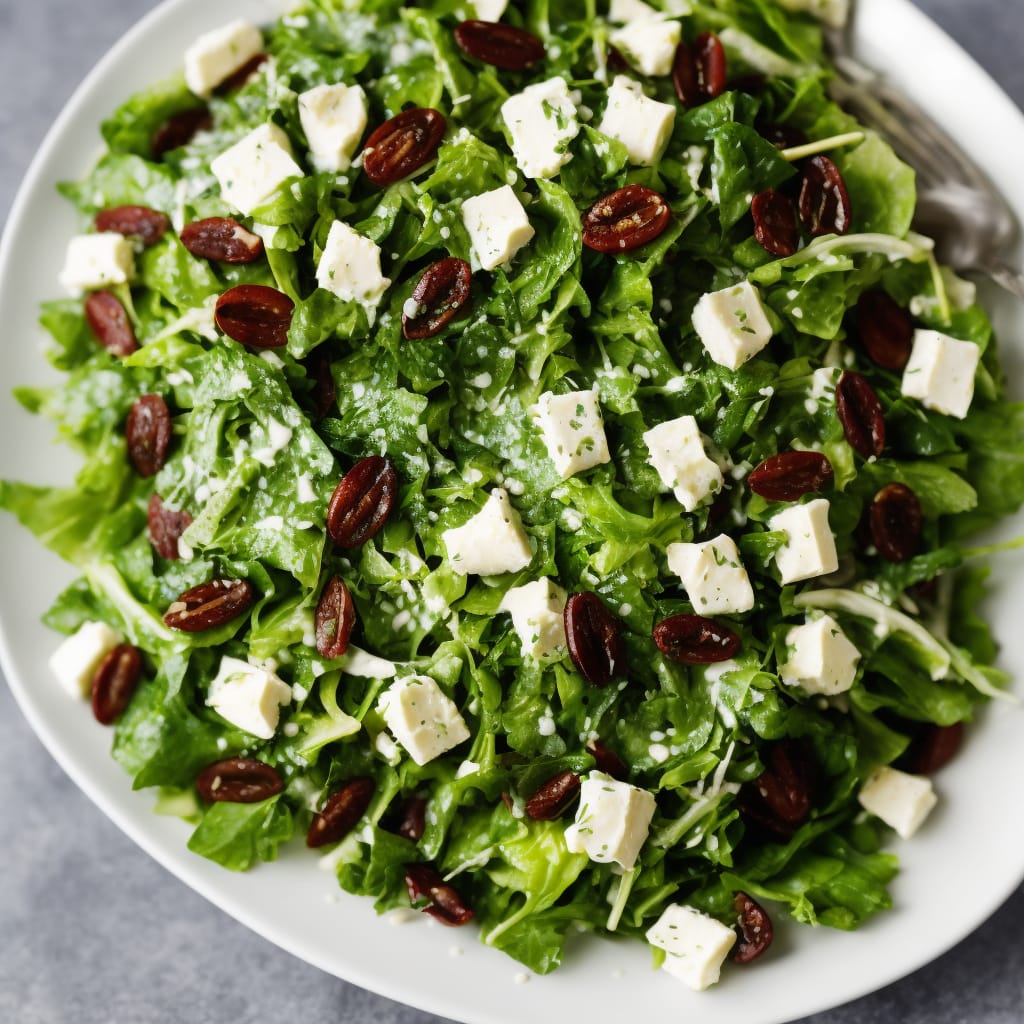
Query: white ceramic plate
x=978, y=828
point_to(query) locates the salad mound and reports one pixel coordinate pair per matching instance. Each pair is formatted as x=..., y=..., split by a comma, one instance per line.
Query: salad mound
x=527, y=454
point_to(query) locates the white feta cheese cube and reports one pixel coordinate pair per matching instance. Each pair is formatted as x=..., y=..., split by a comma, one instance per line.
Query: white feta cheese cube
x=810, y=548
x=713, y=575
x=624, y=11
x=492, y=542
x=820, y=657
x=612, y=821
x=696, y=945
x=75, y=661
x=902, y=801
x=641, y=124
x=538, y=617
x=489, y=10
x=255, y=167
x=648, y=44
x=422, y=718
x=248, y=696
x=542, y=122
x=677, y=453
x=940, y=372
x=498, y=226
x=573, y=431
x=334, y=119
x=833, y=13
x=732, y=324
x=97, y=261
x=350, y=266
x=217, y=55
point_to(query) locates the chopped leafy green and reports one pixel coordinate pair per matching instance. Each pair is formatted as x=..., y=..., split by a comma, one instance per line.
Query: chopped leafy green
x=258, y=439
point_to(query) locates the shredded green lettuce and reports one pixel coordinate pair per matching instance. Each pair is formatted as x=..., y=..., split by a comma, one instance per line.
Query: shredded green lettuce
x=254, y=463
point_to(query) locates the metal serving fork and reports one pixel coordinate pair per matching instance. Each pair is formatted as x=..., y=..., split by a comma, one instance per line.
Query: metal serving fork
x=972, y=224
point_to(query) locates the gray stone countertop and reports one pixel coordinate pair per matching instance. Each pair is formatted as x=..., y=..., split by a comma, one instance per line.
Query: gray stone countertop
x=94, y=931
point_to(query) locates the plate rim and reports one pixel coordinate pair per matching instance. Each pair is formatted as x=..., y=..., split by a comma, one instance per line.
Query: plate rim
x=175, y=859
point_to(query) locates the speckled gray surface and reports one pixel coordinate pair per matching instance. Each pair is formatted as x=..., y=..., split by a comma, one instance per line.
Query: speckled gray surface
x=94, y=932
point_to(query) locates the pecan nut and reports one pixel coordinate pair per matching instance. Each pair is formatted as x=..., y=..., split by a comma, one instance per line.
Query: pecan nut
x=413, y=822
x=775, y=225
x=255, y=315
x=503, y=46
x=238, y=780
x=754, y=927
x=700, y=71
x=114, y=682
x=335, y=617
x=695, y=640
x=594, y=638
x=552, y=800
x=441, y=294
x=142, y=222
x=222, y=240
x=885, y=328
x=148, y=433
x=626, y=219
x=109, y=321
x=824, y=201
x=401, y=146
x=179, y=130
x=607, y=761
x=165, y=527
x=237, y=79
x=788, y=476
x=896, y=520
x=341, y=813
x=860, y=412
x=210, y=605
x=443, y=903
x=934, y=747
x=780, y=798
x=362, y=502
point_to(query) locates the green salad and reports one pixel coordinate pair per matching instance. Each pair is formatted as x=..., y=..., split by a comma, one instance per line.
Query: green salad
x=527, y=457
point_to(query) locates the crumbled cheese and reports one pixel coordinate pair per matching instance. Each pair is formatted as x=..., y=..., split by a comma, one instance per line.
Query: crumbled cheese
x=612, y=821
x=97, y=261
x=901, y=800
x=217, y=55
x=641, y=124
x=334, y=119
x=940, y=372
x=820, y=657
x=542, y=122
x=696, y=945
x=350, y=267
x=253, y=169
x=498, y=226
x=537, y=611
x=648, y=44
x=248, y=696
x=422, y=718
x=810, y=548
x=732, y=324
x=75, y=661
x=714, y=576
x=573, y=431
x=491, y=542
x=677, y=453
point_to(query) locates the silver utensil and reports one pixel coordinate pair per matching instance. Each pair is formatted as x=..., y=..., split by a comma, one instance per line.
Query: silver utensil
x=958, y=206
